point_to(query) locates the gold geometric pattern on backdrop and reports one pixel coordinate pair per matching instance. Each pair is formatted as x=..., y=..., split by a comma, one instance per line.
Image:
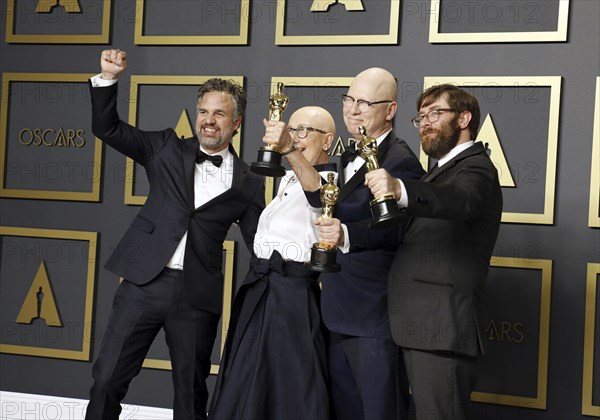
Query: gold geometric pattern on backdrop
x=45, y=6
x=487, y=134
x=39, y=302
x=350, y=5
x=184, y=126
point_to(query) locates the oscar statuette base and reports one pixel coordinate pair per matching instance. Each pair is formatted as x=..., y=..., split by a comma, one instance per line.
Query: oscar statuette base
x=385, y=213
x=323, y=259
x=268, y=163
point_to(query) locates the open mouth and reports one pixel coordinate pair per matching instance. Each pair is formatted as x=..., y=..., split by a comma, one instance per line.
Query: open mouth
x=210, y=131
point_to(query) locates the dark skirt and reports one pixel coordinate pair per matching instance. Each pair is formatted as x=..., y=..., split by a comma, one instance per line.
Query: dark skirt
x=274, y=366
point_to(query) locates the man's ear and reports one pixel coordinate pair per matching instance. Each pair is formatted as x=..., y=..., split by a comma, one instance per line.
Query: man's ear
x=328, y=141
x=465, y=119
x=392, y=108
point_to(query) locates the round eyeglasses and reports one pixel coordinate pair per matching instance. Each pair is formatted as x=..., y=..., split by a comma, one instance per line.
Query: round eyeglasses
x=432, y=116
x=302, y=131
x=363, y=106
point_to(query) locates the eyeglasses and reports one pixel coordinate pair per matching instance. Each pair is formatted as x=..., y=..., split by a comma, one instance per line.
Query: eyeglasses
x=302, y=131
x=432, y=116
x=363, y=106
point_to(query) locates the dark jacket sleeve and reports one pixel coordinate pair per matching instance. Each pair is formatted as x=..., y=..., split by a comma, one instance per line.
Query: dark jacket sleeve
x=139, y=145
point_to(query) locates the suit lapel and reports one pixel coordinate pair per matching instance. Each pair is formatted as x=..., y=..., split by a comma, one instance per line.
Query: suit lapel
x=359, y=177
x=190, y=150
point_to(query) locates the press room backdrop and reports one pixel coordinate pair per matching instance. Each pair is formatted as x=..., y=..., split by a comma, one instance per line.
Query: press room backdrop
x=66, y=199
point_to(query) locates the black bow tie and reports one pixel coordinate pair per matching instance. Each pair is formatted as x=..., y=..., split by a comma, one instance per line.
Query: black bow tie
x=349, y=154
x=215, y=159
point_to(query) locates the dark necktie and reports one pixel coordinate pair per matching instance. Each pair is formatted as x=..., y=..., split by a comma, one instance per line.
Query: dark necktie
x=215, y=159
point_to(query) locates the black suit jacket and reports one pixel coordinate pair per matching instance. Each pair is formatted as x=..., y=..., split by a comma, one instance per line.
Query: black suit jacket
x=354, y=301
x=169, y=211
x=439, y=271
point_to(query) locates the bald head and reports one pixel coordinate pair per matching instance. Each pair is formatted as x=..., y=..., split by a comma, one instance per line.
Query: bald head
x=379, y=82
x=316, y=117
x=375, y=85
x=316, y=144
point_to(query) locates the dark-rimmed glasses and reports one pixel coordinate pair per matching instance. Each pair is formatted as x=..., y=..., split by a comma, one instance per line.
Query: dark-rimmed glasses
x=363, y=106
x=302, y=131
x=432, y=116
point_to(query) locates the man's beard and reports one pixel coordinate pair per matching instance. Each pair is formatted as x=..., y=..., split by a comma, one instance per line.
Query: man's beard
x=210, y=143
x=444, y=140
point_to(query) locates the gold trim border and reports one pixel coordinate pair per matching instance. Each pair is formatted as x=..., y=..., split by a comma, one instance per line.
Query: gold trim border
x=560, y=35
x=136, y=81
x=93, y=195
x=587, y=407
x=539, y=402
x=92, y=238
x=102, y=38
x=594, y=217
x=229, y=248
x=383, y=39
x=554, y=82
x=141, y=39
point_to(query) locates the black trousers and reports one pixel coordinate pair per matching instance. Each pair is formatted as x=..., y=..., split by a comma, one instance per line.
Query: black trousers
x=367, y=378
x=441, y=383
x=137, y=315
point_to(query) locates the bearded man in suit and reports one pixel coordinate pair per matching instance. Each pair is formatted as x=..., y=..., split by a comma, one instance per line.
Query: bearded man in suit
x=171, y=256
x=438, y=275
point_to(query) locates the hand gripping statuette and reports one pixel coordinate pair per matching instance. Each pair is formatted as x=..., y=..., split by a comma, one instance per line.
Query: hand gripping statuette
x=269, y=157
x=322, y=257
x=384, y=209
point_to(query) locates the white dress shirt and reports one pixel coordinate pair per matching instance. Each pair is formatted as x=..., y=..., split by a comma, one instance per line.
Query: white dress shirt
x=209, y=182
x=286, y=224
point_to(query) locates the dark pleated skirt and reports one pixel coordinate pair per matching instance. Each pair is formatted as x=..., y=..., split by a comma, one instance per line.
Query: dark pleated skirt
x=274, y=363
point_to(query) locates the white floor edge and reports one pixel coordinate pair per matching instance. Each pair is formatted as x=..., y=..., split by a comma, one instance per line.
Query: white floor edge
x=18, y=406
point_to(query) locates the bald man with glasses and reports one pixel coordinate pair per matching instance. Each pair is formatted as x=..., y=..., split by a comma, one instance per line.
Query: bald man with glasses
x=368, y=381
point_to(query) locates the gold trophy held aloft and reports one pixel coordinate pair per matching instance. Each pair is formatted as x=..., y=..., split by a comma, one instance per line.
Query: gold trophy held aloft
x=323, y=255
x=384, y=209
x=269, y=157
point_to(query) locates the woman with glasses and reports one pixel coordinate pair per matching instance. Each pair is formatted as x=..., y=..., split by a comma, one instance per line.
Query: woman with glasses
x=274, y=365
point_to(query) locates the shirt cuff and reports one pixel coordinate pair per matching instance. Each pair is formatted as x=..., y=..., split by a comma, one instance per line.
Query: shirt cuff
x=403, y=202
x=98, y=81
x=346, y=247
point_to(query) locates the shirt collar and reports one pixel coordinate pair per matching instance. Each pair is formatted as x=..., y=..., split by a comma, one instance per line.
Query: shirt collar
x=383, y=136
x=454, y=152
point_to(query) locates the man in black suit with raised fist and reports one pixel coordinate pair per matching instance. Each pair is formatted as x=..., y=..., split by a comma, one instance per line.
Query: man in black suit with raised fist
x=173, y=279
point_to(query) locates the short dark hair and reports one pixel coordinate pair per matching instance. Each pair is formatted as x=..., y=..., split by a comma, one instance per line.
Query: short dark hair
x=237, y=92
x=458, y=99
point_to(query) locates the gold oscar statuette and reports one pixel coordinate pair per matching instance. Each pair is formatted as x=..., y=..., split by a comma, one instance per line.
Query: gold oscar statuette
x=384, y=209
x=323, y=255
x=269, y=157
